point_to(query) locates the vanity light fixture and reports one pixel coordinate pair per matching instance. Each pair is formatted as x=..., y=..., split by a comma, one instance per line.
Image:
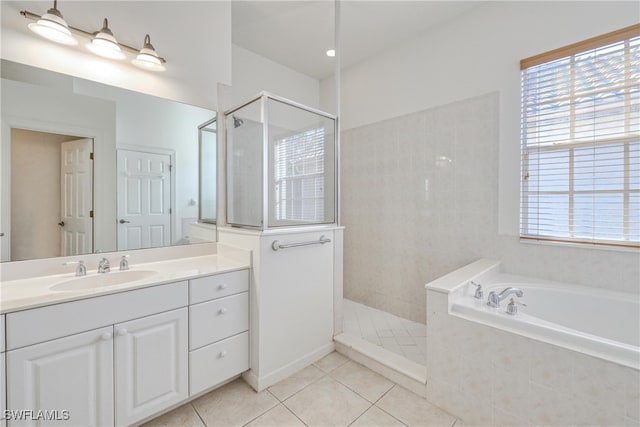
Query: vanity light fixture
x=52, y=26
x=105, y=44
x=331, y=53
x=147, y=58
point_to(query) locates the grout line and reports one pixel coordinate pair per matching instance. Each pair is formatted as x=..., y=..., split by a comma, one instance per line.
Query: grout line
x=294, y=414
x=261, y=414
x=324, y=374
x=391, y=415
x=198, y=414
x=360, y=416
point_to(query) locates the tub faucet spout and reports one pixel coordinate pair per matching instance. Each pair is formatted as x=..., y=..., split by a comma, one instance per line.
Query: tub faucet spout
x=495, y=298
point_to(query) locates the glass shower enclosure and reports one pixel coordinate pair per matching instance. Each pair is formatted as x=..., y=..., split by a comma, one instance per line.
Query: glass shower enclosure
x=281, y=164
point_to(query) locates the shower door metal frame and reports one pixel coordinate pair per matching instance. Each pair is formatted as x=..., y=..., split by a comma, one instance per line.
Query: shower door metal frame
x=262, y=97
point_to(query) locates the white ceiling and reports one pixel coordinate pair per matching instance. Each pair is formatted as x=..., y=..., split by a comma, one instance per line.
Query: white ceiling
x=298, y=33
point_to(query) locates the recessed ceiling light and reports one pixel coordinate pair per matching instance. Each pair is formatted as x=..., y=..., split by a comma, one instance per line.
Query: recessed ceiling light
x=331, y=52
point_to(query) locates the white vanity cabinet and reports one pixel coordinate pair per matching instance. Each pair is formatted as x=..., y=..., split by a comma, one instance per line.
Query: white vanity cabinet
x=151, y=371
x=218, y=329
x=122, y=358
x=141, y=342
x=72, y=377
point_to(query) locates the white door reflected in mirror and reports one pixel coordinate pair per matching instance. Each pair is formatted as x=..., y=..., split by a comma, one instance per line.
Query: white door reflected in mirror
x=76, y=205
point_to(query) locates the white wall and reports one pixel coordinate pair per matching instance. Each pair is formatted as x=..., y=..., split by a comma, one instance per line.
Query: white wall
x=146, y=121
x=193, y=36
x=253, y=73
x=475, y=54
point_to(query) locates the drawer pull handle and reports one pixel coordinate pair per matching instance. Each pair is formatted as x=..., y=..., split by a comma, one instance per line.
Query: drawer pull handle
x=106, y=336
x=122, y=332
x=222, y=354
x=222, y=311
x=222, y=287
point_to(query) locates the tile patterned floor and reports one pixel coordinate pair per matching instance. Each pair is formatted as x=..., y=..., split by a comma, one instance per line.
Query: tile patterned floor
x=332, y=392
x=393, y=333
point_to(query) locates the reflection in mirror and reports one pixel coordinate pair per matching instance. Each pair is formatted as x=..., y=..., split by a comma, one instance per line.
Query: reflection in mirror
x=60, y=177
x=139, y=189
x=208, y=171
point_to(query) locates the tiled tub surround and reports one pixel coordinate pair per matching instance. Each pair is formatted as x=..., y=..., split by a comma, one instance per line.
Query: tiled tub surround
x=492, y=374
x=420, y=199
x=419, y=194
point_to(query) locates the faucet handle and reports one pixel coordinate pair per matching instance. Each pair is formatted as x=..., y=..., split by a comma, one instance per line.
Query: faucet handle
x=124, y=263
x=479, y=292
x=512, y=307
x=81, y=269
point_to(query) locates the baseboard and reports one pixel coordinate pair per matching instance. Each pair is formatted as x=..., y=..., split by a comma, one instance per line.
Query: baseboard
x=396, y=368
x=259, y=383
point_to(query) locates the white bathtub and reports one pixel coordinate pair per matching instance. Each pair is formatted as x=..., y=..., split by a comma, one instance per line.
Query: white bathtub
x=594, y=321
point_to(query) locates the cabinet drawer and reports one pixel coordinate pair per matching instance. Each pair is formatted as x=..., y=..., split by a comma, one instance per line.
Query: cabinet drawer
x=217, y=286
x=54, y=321
x=218, y=362
x=218, y=319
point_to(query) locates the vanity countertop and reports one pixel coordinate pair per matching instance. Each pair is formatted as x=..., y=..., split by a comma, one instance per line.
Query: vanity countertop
x=34, y=292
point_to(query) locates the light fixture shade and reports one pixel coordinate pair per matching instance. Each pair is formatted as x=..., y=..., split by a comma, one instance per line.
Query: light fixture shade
x=52, y=26
x=105, y=44
x=148, y=59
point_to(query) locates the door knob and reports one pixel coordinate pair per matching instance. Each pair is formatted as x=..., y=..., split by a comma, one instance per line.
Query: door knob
x=106, y=336
x=122, y=332
x=61, y=223
x=123, y=221
x=1, y=234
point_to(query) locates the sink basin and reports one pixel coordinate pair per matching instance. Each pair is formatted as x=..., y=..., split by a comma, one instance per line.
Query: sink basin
x=102, y=279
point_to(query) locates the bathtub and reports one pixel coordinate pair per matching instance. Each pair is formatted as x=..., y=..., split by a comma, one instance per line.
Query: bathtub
x=597, y=322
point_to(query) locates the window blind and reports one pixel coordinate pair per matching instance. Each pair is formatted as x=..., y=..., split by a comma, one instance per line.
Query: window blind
x=580, y=142
x=299, y=177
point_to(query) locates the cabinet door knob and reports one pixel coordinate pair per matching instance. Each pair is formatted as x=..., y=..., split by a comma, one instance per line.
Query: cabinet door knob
x=222, y=354
x=222, y=311
x=122, y=332
x=106, y=336
x=222, y=287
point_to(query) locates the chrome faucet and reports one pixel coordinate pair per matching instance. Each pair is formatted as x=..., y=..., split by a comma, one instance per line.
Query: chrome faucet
x=495, y=298
x=81, y=269
x=104, y=266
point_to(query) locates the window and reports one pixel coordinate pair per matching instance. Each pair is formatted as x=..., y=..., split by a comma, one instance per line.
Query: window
x=580, y=142
x=299, y=177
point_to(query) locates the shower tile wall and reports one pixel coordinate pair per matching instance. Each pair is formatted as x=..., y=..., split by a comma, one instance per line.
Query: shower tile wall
x=419, y=199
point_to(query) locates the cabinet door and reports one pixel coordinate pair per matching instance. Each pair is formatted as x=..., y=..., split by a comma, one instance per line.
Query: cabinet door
x=151, y=365
x=69, y=379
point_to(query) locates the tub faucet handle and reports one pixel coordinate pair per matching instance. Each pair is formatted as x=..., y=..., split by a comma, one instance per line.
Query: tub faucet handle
x=512, y=307
x=479, y=292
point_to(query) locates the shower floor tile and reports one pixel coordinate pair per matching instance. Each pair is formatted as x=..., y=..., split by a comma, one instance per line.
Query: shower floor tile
x=398, y=335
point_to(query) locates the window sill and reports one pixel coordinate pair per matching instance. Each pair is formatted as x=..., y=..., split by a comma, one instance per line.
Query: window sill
x=590, y=246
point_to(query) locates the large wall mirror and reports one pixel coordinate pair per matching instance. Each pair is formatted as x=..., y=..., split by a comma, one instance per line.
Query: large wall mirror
x=88, y=167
